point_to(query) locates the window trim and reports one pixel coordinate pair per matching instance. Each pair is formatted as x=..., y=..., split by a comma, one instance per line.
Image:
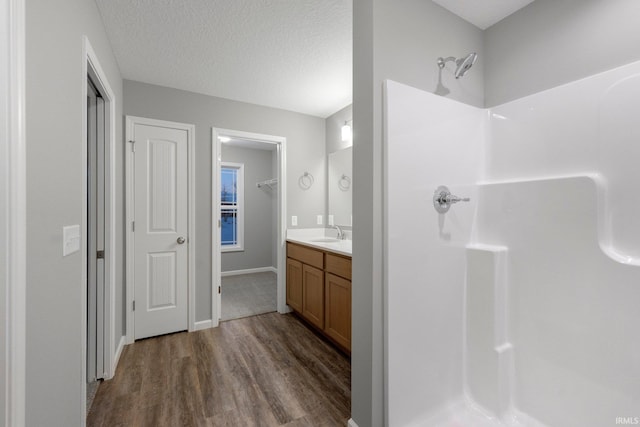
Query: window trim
x=239, y=246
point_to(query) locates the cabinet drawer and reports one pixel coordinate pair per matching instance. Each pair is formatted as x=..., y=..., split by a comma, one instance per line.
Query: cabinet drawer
x=306, y=255
x=339, y=266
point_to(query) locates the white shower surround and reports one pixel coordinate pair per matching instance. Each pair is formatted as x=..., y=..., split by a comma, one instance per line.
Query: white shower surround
x=521, y=307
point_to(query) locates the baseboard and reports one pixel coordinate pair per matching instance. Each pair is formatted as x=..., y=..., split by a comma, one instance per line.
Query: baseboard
x=116, y=359
x=352, y=423
x=204, y=324
x=285, y=310
x=249, y=271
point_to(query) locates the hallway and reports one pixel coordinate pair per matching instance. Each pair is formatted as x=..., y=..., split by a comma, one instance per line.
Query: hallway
x=267, y=370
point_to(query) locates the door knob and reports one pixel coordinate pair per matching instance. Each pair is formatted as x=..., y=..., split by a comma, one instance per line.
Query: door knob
x=180, y=240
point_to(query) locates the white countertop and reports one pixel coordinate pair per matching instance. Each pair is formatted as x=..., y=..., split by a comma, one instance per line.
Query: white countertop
x=313, y=236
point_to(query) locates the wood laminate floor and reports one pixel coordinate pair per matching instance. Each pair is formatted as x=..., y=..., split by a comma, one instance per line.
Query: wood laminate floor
x=267, y=370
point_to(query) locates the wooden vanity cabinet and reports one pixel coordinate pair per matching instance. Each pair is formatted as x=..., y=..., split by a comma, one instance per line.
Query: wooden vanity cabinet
x=313, y=295
x=319, y=289
x=294, y=284
x=338, y=309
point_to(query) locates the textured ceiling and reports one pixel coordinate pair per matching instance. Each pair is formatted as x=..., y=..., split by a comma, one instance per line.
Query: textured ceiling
x=483, y=13
x=289, y=54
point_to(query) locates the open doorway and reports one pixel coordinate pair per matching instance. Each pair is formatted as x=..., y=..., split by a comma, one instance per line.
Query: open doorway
x=248, y=205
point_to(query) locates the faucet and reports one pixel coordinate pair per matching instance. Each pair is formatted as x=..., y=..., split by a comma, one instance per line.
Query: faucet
x=341, y=235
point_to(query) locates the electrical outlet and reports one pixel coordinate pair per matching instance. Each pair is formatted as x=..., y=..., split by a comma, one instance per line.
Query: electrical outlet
x=330, y=220
x=294, y=220
x=319, y=219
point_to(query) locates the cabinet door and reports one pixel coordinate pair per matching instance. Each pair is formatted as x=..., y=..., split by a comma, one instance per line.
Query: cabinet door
x=313, y=295
x=294, y=284
x=338, y=309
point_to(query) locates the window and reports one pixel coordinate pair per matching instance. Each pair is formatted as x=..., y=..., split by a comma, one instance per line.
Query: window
x=231, y=207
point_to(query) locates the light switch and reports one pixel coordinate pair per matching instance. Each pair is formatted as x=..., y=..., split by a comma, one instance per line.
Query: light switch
x=319, y=219
x=294, y=220
x=70, y=239
x=330, y=220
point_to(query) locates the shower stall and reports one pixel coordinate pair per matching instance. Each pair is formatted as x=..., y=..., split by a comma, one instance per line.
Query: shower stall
x=520, y=306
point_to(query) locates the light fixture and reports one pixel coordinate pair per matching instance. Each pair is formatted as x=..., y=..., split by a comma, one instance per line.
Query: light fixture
x=224, y=138
x=345, y=132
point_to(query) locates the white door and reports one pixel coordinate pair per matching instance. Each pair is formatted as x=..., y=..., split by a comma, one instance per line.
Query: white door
x=161, y=243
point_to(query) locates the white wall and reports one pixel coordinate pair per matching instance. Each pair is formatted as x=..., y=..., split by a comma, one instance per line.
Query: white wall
x=400, y=42
x=259, y=221
x=54, y=103
x=552, y=42
x=305, y=152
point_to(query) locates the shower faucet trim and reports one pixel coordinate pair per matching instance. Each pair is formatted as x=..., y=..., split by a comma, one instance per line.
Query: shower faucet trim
x=443, y=199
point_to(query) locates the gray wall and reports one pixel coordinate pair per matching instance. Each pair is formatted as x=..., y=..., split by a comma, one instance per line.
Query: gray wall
x=551, y=42
x=54, y=102
x=400, y=43
x=305, y=152
x=259, y=222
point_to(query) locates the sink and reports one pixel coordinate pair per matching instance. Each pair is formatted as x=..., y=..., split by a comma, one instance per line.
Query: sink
x=325, y=240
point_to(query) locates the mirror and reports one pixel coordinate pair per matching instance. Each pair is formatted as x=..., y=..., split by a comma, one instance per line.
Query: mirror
x=339, y=179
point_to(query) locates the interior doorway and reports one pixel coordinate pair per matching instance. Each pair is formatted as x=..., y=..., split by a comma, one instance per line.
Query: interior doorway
x=160, y=217
x=98, y=230
x=249, y=207
x=96, y=136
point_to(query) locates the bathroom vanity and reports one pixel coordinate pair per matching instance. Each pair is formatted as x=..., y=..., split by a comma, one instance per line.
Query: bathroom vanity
x=319, y=285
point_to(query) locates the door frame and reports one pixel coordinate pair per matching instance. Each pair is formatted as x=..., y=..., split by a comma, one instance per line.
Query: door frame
x=131, y=121
x=91, y=68
x=281, y=258
x=13, y=214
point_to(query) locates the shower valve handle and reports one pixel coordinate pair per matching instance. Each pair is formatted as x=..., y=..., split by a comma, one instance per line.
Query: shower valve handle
x=443, y=199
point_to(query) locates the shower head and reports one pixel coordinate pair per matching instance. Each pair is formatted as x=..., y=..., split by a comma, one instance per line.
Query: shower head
x=462, y=64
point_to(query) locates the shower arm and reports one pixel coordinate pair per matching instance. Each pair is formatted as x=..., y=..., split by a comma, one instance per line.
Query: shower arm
x=442, y=61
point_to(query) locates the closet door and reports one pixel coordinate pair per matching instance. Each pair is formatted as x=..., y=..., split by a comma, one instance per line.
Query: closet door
x=95, y=232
